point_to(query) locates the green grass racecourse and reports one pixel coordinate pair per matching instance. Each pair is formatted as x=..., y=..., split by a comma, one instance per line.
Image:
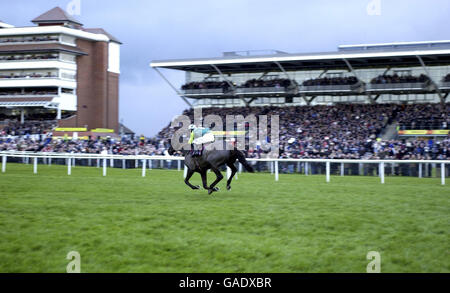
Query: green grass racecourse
x=127, y=223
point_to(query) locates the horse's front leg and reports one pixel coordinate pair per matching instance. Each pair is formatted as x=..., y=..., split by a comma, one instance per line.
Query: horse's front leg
x=188, y=176
x=204, y=180
x=218, y=178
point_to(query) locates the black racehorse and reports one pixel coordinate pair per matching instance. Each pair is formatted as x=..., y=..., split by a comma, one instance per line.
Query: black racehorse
x=212, y=159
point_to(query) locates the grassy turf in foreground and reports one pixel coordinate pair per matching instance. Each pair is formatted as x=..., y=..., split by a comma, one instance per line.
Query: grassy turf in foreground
x=126, y=223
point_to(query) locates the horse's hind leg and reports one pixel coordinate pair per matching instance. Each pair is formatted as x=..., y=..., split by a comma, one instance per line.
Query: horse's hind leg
x=233, y=171
x=188, y=176
x=219, y=177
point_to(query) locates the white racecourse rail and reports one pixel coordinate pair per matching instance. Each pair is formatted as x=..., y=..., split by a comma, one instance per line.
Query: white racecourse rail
x=104, y=158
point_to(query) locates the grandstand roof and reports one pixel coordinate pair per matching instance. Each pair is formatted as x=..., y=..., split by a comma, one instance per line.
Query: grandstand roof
x=360, y=56
x=5, y=25
x=55, y=15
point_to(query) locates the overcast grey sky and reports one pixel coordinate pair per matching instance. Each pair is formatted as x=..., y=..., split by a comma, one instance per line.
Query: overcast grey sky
x=173, y=29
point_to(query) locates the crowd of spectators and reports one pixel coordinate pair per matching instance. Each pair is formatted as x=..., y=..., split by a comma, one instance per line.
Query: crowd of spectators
x=206, y=85
x=29, y=75
x=48, y=38
x=395, y=78
x=253, y=83
x=322, y=81
x=47, y=56
x=347, y=131
x=15, y=128
x=123, y=146
x=277, y=82
x=28, y=91
x=424, y=116
x=348, y=80
x=343, y=131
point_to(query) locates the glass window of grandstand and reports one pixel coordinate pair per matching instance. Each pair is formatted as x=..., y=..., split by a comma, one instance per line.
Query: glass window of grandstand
x=26, y=74
x=68, y=75
x=334, y=74
x=406, y=72
x=29, y=39
x=29, y=91
x=29, y=57
x=67, y=91
x=67, y=57
x=68, y=40
x=212, y=79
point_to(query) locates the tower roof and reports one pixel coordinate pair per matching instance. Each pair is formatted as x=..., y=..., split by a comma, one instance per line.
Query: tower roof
x=102, y=31
x=55, y=15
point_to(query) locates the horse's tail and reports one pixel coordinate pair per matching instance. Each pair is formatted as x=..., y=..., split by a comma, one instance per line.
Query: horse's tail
x=243, y=161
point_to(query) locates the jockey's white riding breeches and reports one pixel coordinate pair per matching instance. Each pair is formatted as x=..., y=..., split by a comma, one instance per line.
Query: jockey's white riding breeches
x=208, y=137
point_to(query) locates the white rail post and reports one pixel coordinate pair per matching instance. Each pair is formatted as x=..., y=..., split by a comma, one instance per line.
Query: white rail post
x=73, y=161
x=240, y=168
x=35, y=165
x=420, y=170
x=178, y=165
x=90, y=162
x=4, y=164
x=123, y=164
x=111, y=162
x=381, y=171
x=104, y=166
x=50, y=161
x=327, y=165
x=144, y=166
x=276, y=170
x=136, y=164
x=271, y=167
x=443, y=173
x=342, y=169
x=98, y=163
x=306, y=168
x=69, y=166
x=150, y=164
x=185, y=171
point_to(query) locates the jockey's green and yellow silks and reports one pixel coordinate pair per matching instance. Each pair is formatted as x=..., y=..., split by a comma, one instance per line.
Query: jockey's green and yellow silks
x=197, y=134
x=191, y=139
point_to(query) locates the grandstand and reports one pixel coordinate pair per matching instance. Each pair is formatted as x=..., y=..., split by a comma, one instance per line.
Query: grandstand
x=362, y=101
x=61, y=72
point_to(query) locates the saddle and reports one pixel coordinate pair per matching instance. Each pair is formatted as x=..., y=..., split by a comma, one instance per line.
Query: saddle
x=197, y=153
